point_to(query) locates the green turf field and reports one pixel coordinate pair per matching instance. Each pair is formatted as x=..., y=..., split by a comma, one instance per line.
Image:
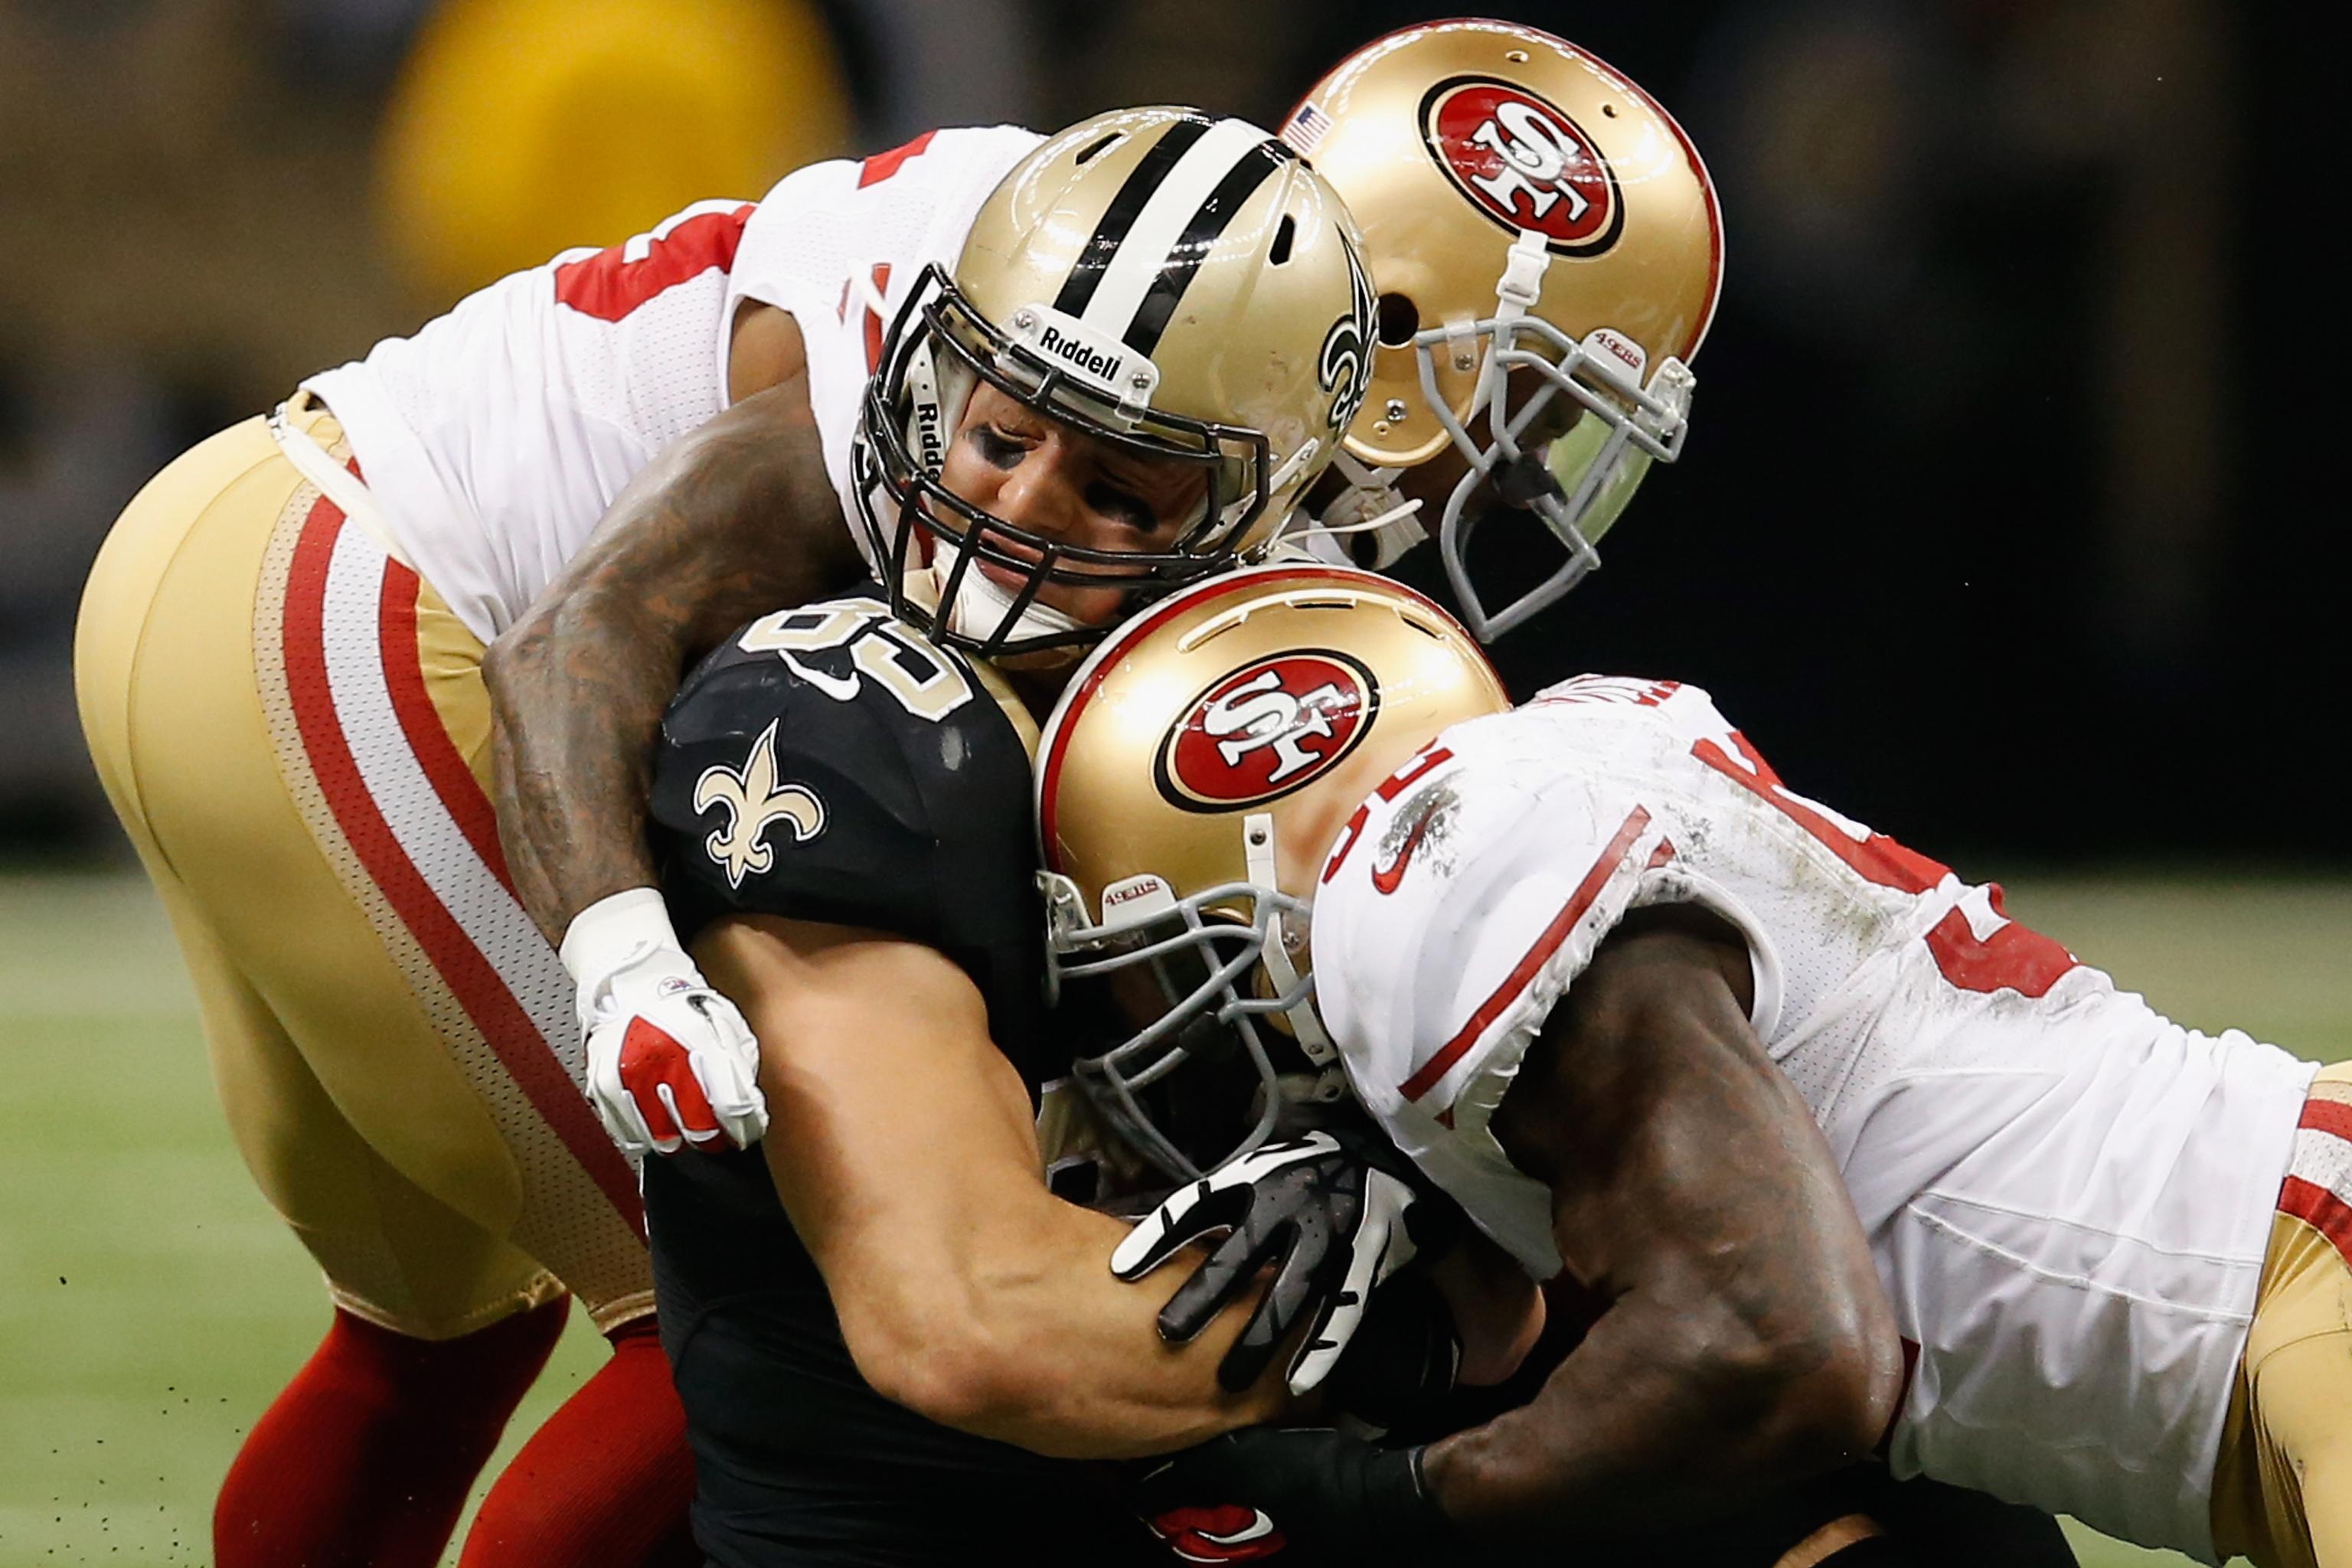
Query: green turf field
x=151, y=1304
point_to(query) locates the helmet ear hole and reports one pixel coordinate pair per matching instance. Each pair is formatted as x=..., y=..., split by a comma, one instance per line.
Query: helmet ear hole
x=1400, y=319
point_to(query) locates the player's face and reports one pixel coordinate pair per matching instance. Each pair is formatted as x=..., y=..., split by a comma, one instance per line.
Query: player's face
x=1043, y=477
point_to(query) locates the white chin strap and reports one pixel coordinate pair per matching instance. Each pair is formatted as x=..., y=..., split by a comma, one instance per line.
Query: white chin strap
x=934, y=406
x=1257, y=853
x=982, y=606
x=1367, y=525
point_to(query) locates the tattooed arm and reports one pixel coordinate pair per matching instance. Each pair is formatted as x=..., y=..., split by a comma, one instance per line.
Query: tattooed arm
x=1746, y=1343
x=733, y=520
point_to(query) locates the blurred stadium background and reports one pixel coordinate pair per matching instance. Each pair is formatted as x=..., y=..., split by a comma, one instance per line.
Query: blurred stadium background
x=1999, y=528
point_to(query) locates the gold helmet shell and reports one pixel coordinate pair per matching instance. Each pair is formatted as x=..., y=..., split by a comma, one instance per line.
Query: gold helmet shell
x=1182, y=286
x=1189, y=782
x=1524, y=207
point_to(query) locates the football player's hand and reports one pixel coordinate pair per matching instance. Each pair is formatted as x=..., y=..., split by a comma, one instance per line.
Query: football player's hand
x=1311, y=1492
x=1327, y=1210
x=671, y=1063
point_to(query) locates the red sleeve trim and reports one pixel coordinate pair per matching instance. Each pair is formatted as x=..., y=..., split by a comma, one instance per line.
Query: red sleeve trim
x=882, y=166
x=1524, y=973
x=612, y=283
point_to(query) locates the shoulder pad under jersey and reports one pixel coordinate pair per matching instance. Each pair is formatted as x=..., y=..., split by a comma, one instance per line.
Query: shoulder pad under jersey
x=829, y=763
x=1455, y=910
x=1650, y=717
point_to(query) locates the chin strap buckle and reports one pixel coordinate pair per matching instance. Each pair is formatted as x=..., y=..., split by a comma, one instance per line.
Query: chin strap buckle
x=1523, y=271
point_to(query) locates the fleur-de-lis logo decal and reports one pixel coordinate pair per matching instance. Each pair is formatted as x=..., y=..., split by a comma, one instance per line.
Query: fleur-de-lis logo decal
x=1343, y=369
x=754, y=802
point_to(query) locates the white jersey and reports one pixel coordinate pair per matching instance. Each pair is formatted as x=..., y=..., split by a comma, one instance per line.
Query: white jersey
x=494, y=440
x=2066, y=1196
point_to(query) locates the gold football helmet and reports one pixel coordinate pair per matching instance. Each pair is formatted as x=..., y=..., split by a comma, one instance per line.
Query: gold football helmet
x=1524, y=208
x=1189, y=781
x=1179, y=286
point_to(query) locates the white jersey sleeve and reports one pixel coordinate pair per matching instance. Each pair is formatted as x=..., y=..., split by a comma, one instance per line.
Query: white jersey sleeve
x=495, y=437
x=1457, y=907
x=840, y=246
x=2067, y=1196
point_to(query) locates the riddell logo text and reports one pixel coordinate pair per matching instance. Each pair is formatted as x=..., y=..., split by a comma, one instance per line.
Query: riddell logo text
x=1523, y=162
x=930, y=451
x=1093, y=362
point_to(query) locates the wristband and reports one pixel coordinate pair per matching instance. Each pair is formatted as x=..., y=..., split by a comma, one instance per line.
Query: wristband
x=612, y=932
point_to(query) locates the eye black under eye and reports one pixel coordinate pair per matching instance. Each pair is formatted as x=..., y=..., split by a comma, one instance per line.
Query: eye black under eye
x=995, y=447
x=1119, y=506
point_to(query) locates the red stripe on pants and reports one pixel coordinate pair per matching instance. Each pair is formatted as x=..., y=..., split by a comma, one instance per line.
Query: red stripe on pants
x=512, y=1036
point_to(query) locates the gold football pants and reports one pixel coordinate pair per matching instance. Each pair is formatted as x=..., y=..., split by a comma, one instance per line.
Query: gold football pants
x=2283, y=1487
x=293, y=729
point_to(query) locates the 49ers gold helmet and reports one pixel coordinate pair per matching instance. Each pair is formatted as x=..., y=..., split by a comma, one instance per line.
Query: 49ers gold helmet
x=1179, y=286
x=1524, y=208
x=1188, y=784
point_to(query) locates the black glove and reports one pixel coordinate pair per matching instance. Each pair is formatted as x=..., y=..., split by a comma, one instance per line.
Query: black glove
x=1302, y=1491
x=1399, y=1369
x=1327, y=1209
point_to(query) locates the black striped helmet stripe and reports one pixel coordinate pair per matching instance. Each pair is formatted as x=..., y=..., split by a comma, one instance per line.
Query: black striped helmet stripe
x=1142, y=181
x=1192, y=246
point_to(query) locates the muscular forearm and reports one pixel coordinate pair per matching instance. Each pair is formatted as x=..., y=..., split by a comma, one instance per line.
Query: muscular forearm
x=577, y=700
x=1066, y=1360
x=1664, y=1410
x=735, y=518
x=1747, y=1341
x=904, y=1148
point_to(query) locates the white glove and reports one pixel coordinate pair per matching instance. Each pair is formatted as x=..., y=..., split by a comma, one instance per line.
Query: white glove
x=671, y=1063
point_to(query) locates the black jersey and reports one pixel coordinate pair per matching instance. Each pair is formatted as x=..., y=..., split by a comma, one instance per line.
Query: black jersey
x=830, y=765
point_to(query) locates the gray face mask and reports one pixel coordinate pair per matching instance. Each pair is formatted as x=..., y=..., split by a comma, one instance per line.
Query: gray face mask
x=1574, y=485
x=1204, y=957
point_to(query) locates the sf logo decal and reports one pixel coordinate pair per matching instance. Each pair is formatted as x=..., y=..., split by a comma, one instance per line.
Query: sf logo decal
x=754, y=803
x=1264, y=730
x=1260, y=713
x=1524, y=163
